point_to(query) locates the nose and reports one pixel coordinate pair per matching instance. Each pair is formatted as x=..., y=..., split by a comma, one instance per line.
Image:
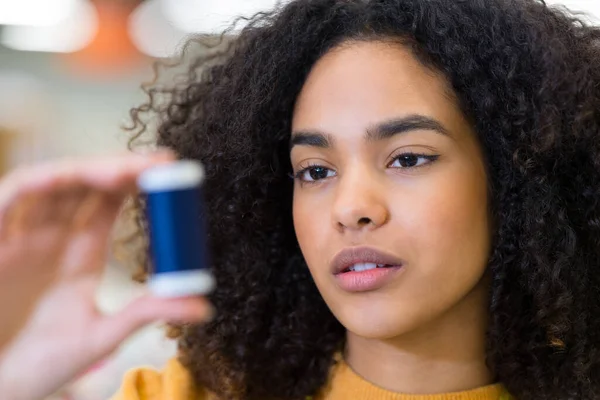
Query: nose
x=359, y=203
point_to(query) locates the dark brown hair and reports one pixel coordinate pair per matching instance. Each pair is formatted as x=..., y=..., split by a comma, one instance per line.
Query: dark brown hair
x=528, y=76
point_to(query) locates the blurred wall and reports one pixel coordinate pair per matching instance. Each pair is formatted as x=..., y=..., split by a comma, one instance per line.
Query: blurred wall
x=60, y=113
x=48, y=110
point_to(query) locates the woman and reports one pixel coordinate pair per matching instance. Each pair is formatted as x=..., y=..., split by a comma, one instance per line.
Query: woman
x=439, y=238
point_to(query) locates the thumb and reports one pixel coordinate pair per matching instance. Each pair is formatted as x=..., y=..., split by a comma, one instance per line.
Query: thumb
x=114, y=329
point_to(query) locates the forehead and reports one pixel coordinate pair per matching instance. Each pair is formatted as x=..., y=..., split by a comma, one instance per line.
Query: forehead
x=364, y=82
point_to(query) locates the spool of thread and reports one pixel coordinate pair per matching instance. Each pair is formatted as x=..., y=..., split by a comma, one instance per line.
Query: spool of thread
x=177, y=226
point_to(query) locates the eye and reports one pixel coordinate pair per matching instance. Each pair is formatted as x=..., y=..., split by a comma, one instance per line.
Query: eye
x=314, y=173
x=412, y=160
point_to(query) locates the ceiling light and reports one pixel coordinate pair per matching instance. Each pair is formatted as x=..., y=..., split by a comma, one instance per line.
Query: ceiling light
x=35, y=12
x=74, y=33
x=151, y=33
x=211, y=16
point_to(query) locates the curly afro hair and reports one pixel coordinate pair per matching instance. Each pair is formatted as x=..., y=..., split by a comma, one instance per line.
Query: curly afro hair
x=525, y=74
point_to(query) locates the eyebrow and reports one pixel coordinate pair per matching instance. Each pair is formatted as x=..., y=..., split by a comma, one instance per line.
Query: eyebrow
x=381, y=131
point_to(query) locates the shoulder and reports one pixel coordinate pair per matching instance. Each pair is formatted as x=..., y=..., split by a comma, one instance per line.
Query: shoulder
x=172, y=383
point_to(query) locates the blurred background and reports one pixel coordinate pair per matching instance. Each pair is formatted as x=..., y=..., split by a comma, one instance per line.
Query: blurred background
x=70, y=70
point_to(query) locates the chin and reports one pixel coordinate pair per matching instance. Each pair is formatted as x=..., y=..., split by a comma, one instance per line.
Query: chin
x=380, y=324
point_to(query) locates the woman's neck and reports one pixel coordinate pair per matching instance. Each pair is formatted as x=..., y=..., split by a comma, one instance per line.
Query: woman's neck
x=446, y=355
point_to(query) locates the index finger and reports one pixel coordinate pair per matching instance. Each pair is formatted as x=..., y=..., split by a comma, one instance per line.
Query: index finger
x=107, y=173
x=103, y=173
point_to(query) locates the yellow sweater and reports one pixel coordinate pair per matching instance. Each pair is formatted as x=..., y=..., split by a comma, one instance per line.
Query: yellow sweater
x=174, y=383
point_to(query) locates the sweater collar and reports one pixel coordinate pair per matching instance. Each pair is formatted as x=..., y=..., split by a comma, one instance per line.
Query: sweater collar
x=346, y=384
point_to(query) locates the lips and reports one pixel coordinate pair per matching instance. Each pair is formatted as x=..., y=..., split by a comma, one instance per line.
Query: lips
x=364, y=269
x=362, y=259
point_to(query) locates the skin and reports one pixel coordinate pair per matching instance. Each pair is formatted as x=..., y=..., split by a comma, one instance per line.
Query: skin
x=424, y=331
x=56, y=221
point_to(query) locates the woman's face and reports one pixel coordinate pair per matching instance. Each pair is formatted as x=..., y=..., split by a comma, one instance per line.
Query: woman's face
x=390, y=198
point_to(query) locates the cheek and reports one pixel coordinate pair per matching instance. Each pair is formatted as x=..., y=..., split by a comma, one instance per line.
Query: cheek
x=448, y=227
x=311, y=223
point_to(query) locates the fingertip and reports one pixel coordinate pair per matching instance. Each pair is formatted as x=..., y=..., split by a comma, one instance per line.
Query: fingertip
x=191, y=309
x=159, y=154
x=207, y=312
x=163, y=151
x=185, y=309
x=145, y=310
x=145, y=162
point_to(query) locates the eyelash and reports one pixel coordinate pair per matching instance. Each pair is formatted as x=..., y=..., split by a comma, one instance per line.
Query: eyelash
x=430, y=158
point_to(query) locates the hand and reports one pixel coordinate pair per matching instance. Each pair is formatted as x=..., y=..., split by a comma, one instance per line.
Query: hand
x=55, y=226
